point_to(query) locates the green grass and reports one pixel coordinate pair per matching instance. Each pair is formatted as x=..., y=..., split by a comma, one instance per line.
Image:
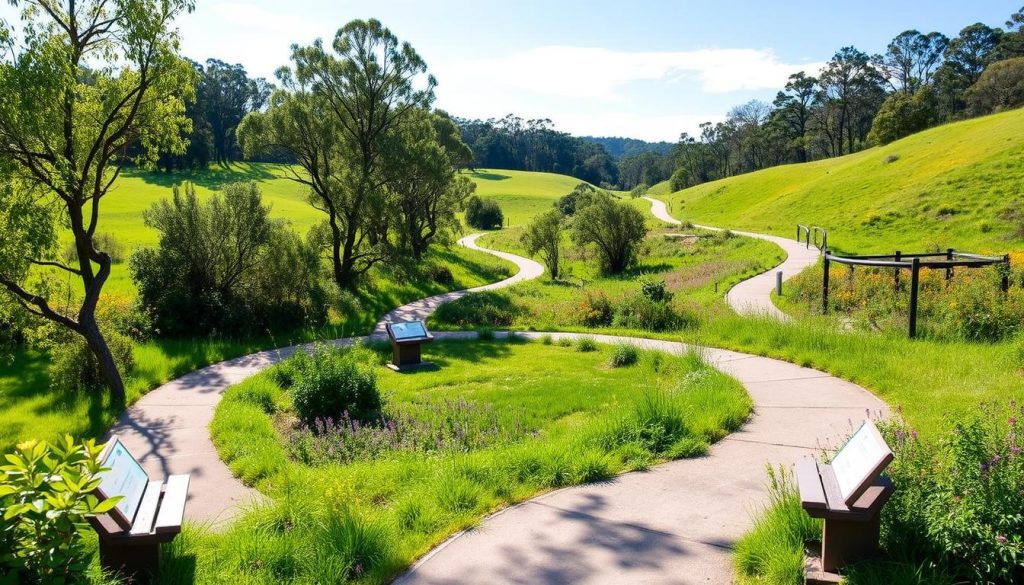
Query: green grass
x=959, y=186
x=586, y=421
x=521, y=194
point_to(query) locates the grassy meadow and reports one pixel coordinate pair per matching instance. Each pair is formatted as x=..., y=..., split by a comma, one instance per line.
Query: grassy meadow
x=521, y=194
x=571, y=417
x=960, y=185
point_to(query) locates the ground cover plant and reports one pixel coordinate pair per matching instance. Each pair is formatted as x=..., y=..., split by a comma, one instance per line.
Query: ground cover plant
x=476, y=433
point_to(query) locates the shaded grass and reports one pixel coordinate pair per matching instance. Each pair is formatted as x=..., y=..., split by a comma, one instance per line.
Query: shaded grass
x=573, y=404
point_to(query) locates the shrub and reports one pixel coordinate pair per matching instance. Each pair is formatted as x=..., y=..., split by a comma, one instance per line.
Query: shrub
x=74, y=367
x=624, y=355
x=485, y=334
x=655, y=290
x=103, y=242
x=335, y=383
x=614, y=229
x=124, y=315
x=639, y=311
x=891, y=158
x=45, y=498
x=594, y=309
x=440, y=274
x=546, y=339
x=639, y=191
x=484, y=214
x=586, y=344
x=487, y=308
x=582, y=195
x=958, y=499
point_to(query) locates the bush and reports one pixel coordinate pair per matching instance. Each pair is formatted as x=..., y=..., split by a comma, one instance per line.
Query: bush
x=487, y=309
x=957, y=502
x=484, y=214
x=335, y=383
x=586, y=344
x=582, y=195
x=614, y=229
x=655, y=290
x=103, y=242
x=640, y=311
x=74, y=367
x=624, y=355
x=903, y=114
x=594, y=309
x=45, y=498
x=125, y=316
x=440, y=274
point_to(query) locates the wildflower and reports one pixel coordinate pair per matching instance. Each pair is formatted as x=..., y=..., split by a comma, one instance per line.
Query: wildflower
x=1013, y=421
x=1000, y=539
x=913, y=434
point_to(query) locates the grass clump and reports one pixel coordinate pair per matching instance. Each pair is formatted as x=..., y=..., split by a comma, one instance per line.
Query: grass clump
x=623, y=355
x=586, y=344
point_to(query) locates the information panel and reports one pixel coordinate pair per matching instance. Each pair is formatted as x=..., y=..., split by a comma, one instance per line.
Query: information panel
x=410, y=330
x=125, y=478
x=860, y=460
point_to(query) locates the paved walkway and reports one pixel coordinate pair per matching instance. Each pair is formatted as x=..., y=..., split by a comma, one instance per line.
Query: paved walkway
x=753, y=296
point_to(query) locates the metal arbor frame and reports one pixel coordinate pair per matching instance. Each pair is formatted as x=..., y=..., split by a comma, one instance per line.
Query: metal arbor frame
x=947, y=260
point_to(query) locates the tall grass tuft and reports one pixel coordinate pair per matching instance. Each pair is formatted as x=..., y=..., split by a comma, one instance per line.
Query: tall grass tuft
x=773, y=551
x=624, y=354
x=586, y=344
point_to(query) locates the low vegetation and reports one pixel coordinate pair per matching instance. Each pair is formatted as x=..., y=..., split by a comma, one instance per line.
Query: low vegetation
x=448, y=446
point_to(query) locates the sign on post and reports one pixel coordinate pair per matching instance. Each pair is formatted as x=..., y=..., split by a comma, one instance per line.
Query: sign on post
x=860, y=461
x=126, y=478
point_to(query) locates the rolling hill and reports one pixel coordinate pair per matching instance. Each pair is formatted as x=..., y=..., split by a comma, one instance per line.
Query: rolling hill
x=960, y=185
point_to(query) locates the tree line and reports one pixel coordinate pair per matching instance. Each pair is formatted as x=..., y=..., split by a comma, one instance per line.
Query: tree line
x=858, y=100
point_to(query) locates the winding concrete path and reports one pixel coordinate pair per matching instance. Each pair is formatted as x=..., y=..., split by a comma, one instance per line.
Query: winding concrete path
x=753, y=296
x=672, y=524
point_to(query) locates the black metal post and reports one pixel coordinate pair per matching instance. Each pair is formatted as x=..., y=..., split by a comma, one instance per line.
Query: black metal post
x=897, y=271
x=1005, y=284
x=949, y=271
x=915, y=270
x=824, y=287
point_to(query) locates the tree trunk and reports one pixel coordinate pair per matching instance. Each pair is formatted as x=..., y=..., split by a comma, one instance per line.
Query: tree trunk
x=108, y=367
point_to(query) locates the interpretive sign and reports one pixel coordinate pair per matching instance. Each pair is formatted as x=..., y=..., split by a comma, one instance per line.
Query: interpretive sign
x=859, y=462
x=406, y=339
x=125, y=478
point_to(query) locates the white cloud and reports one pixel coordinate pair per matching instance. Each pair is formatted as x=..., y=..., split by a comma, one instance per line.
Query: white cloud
x=597, y=73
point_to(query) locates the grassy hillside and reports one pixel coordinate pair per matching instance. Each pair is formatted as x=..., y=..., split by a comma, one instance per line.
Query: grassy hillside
x=521, y=194
x=959, y=185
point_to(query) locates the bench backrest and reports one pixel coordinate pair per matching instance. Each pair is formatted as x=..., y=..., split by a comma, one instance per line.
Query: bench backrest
x=125, y=478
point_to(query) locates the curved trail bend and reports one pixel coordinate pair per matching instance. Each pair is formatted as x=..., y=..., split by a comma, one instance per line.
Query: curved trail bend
x=753, y=296
x=672, y=524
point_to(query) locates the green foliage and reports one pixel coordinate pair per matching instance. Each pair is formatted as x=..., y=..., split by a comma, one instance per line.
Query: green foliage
x=586, y=344
x=45, y=498
x=1000, y=87
x=544, y=235
x=228, y=266
x=581, y=196
x=487, y=308
x=74, y=367
x=336, y=383
x=958, y=496
x=651, y=309
x=773, y=550
x=624, y=355
x=613, y=229
x=639, y=191
x=903, y=114
x=484, y=214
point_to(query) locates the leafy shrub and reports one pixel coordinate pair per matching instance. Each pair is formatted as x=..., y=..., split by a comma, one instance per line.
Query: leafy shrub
x=336, y=382
x=484, y=214
x=227, y=266
x=586, y=344
x=624, y=355
x=124, y=315
x=487, y=308
x=74, y=367
x=615, y=231
x=45, y=499
x=655, y=290
x=440, y=274
x=639, y=191
x=639, y=311
x=594, y=309
x=958, y=499
x=582, y=195
x=485, y=334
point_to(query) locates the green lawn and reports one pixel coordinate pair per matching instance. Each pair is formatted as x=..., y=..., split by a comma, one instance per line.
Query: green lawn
x=580, y=420
x=521, y=194
x=959, y=185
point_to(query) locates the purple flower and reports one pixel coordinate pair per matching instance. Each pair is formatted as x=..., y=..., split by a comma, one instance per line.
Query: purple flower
x=1000, y=539
x=913, y=434
x=1013, y=421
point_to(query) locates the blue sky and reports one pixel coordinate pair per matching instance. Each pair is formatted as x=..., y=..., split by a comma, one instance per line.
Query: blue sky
x=636, y=68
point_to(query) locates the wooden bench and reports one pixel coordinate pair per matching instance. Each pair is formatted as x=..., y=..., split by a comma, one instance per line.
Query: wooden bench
x=848, y=494
x=148, y=515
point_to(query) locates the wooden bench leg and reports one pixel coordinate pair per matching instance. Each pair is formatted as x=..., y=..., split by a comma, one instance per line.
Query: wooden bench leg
x=844, y=542
x=136, y=562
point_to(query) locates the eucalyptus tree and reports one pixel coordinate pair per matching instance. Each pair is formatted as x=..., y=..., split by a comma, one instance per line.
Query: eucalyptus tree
x=86, y=86
x=543, y=236
x=335, y=113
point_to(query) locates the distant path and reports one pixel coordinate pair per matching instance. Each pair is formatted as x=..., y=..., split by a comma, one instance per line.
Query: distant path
x=167, y=429
x=753, y=296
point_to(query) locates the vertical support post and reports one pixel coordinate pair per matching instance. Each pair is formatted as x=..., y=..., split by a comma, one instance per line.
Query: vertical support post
x=824, y=286
x=778, y=283
x=949, y=271
x=1005, y=284
x=915, y=273
x=797, y=232
x=896, y=277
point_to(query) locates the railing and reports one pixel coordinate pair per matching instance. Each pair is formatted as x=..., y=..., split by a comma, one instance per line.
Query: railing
x=947, y=260
x=815, y=235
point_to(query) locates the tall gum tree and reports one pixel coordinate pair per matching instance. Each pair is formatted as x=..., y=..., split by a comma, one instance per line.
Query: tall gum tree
x=86, y=86
x=335, y=113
